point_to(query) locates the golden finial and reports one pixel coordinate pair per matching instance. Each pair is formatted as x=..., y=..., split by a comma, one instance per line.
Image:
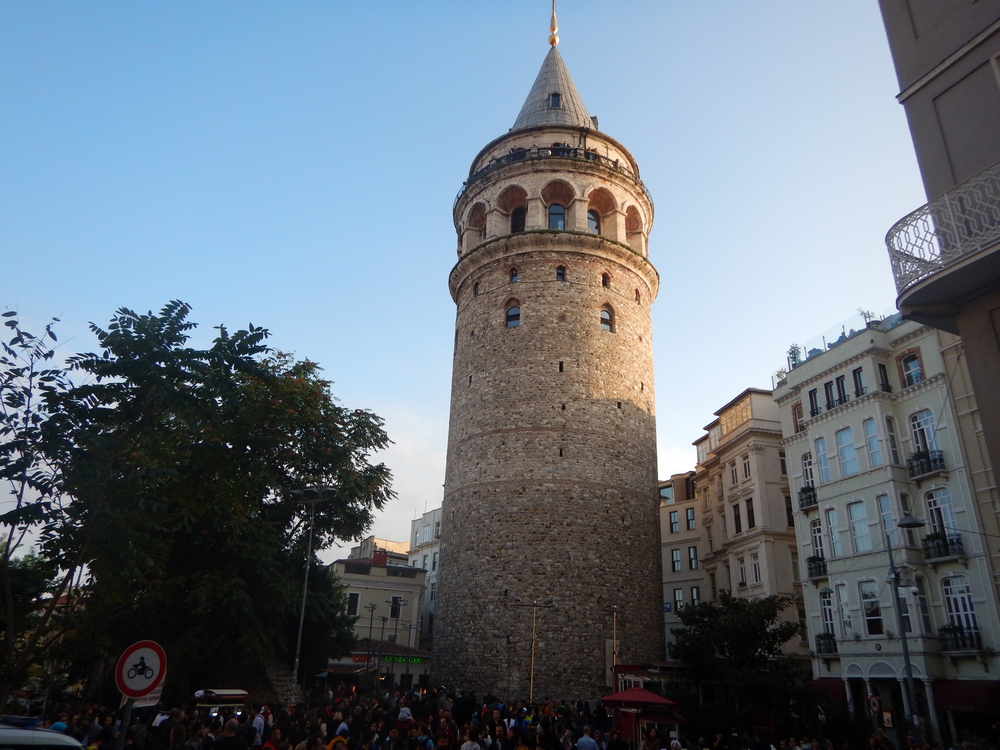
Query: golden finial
x=553, y=27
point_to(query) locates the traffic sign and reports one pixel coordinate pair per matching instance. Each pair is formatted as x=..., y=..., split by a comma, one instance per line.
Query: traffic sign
x=874, y=703
x=140, y=669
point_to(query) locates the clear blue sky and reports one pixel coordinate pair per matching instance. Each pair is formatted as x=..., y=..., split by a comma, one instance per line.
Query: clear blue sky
x=293, y=165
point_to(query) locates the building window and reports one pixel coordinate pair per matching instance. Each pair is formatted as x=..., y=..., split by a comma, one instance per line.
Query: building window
x=816, y=530
x=846, y=627
x=904, y=506
x=814, y=408
x=807, y=470
x=733, y=478
x=427, y=533
x=746, y=465
x=557, y=216
x=353, y=604
x=789, y=511
x=561, y=273
x=797, y=418
x=513, y=275
x=871, y=607
x=941, y=511
x=832, y=532
x=695, y=595
x=605, y=280
x=607, y=320
x=831, y=400
x=737, y=520
x=424, y=566
x=755, y=567
x=922, y=609
x=890, y=434
x=841, y=389
x=912, y=372
x=593, y=222
x=741, y=569
x=824, y=465
x=692, y=558
x=860, y=389
x=712, y=585
x=675, y=525
x=437, y=529
x=475, y=289
x=555, y=101
x=638, y=297
x=433, y=591
x=846, y=453
x=782, y=463
x=883, y=379
x=922, y=429
x=689, y=513
x=958, y=599
x=517, y=217
x=858, y=517
x=394, y=606
x=885, y=514
x=751, y=518
x=871, y=440
x=678, y=599
x=826, y=610
x=391, y=638
x=725, y=529
x=675, y=560
x=434, y=561
x=513, y=317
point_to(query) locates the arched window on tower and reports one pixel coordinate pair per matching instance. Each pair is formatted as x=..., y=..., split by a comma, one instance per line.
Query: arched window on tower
x=561, y=273
x=475, y=289
x=607, y=319
x=638, y=297
x=605, y=280
x=517, y=219
x=557, y=216
x=513, y=275
x=512, y=318
x=593, y=222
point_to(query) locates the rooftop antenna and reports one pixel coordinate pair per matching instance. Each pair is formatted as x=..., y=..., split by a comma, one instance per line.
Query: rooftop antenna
x=553, y=27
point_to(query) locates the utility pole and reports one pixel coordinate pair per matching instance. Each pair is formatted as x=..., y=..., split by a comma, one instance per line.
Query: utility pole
x=534, y=616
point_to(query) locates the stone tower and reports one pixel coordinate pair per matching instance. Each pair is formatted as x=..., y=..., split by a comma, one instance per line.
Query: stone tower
x=551, y=486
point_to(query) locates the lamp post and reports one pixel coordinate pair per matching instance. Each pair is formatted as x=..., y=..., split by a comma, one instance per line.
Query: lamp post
x=371, y=621
x=908, y=522
x=613, y=609
x=398, y=602
x=309, y=496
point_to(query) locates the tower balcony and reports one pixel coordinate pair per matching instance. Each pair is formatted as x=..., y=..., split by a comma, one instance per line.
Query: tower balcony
x=947, y=249
x=537, y=153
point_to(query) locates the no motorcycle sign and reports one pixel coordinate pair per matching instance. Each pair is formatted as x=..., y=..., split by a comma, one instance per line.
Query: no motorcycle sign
x=140, y=669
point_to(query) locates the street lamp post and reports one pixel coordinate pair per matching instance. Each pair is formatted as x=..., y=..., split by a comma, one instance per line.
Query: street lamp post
x=310, y=496
x=398, y=602
x=371, y=621
x=908, y=522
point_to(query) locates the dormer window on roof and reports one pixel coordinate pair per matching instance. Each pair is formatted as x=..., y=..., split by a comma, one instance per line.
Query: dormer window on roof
x=555, y=101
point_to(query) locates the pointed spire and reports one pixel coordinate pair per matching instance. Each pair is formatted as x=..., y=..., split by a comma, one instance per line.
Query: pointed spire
x=553, y=99
x=553, y=27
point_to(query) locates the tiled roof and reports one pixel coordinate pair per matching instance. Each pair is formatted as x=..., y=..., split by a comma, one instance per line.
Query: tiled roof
x=553, y=78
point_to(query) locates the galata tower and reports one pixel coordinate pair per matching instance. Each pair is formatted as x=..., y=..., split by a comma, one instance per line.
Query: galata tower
x=549, y=522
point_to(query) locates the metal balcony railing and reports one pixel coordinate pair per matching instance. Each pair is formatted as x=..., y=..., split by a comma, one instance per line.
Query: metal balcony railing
x=826, y=643
x=557, y=152
x=956, y=225
x=816, y=567
x=807, y=497
x=958, y=638
x=815, y=411
x=925, y=462
x=939, y=545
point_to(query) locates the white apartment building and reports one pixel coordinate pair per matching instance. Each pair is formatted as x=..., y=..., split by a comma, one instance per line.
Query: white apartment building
x=746, y=508
x=872, y=436
x=425, y=553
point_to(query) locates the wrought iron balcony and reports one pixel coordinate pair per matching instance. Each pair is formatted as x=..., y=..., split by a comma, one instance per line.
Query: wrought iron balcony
x=885, y=387
x=960, y=223
x=807, y=497
x=958, y=638
x=826, y=643
x=938, y=545
x=924, y=462
x=841, y=400
x=859, y=392
x=815, y=411
x=816, y=567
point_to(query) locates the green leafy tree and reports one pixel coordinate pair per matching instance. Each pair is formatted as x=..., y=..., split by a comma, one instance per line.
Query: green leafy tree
x=182, y=463
x=734, y=647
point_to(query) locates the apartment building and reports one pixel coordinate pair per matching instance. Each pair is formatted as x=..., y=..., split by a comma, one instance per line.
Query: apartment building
x=746, y=509
x=425, y=553
x=683, y=542
x=873, y=437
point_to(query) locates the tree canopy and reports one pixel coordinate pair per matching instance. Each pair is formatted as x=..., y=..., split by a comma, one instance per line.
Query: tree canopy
x=173, y=470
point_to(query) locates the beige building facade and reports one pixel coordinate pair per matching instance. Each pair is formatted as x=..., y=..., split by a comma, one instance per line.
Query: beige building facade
x=742, y=486
x=683, y=543
x=875, y=428
x=425, y=553
x=550, y=513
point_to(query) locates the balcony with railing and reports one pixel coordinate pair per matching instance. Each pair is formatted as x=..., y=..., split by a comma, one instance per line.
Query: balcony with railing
x=924, y=463
x=938, y=546
x=826, y=644
x=939, y=240
x=816, y=567
x=959, y=638
x=807, y=497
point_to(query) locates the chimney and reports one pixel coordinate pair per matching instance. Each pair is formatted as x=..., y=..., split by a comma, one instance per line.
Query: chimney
x=380, y=557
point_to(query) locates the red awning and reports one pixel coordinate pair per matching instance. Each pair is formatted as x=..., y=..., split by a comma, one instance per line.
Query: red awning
x=639, y=698
x=968, y=696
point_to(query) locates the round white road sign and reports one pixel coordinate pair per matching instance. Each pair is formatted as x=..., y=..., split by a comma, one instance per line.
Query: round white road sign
x=140, y=669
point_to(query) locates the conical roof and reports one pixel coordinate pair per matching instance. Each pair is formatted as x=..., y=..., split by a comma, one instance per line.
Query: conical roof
x=540, y=109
